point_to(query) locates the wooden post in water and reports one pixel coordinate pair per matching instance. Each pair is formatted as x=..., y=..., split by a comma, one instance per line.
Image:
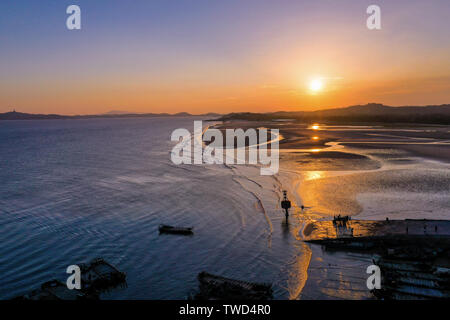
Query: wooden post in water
x=286, y=204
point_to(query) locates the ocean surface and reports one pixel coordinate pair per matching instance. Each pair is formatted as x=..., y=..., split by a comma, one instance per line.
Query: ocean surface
x=74, y=190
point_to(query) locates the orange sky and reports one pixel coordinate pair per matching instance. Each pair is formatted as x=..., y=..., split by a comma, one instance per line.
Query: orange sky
x=261, y=59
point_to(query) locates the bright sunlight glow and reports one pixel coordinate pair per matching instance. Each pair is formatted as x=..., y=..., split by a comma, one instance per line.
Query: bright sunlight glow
x=316, y=85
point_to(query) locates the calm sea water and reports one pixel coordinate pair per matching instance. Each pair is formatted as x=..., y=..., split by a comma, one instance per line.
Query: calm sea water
x=74, y=190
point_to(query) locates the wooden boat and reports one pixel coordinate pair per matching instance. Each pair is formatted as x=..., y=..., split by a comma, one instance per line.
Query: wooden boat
x=175, y=230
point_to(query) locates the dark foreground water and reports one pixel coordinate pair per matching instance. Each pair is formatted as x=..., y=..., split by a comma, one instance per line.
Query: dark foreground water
x=73, y=190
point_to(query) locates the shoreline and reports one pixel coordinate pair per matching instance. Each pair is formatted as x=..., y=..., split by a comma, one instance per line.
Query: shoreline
x=319, y=162
x=333, y=181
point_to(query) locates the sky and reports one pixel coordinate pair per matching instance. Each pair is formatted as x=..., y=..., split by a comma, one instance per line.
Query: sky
x=221, y=56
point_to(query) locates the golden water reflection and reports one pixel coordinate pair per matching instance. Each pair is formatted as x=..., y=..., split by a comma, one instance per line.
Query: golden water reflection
x=313, y=175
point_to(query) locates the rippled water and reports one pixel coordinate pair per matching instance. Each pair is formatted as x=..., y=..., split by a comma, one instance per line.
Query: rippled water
x=73, y=190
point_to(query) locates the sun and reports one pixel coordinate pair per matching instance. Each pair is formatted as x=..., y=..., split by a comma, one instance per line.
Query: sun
x=316, y=85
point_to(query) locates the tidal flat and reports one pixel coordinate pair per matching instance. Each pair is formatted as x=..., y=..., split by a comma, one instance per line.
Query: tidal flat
x=369, y=172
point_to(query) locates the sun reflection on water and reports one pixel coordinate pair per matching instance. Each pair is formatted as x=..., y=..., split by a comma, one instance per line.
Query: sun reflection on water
x=314, y=175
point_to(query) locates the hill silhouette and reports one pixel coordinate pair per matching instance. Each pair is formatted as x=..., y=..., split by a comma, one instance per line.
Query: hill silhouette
x=13, y=115
x=372, y=112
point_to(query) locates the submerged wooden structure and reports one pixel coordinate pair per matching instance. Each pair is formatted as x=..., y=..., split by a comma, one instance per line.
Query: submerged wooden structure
x=99, y=275
x=56, y=290
x=412, y=280
x=419, y=270
x=212, y=287
x=412, y=266
x=96, y=277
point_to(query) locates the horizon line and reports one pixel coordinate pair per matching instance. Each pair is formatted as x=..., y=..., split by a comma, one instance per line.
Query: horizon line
x=126, y=112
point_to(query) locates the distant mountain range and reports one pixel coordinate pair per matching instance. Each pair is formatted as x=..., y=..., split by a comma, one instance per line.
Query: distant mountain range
x=13, y=115
x=115, y=112
x=372, y=112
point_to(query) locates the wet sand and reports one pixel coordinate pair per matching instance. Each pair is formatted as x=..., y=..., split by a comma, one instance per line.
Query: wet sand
x=426, y=141
x=371, y=171
x=367, y=172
